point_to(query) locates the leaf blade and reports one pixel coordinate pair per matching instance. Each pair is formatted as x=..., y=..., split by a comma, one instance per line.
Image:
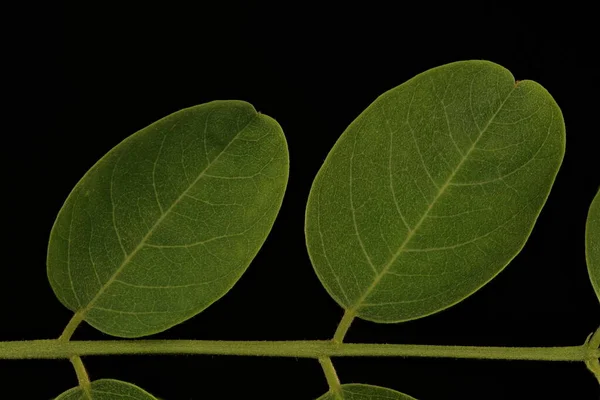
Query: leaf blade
x=359, y=391
x=168, y=220
x=592, y=243
x=108, y=389
x=386, y=217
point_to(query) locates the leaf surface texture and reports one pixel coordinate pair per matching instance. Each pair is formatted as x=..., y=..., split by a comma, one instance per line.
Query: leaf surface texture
x=592, y=243
x=433, y=190
x=168, y=220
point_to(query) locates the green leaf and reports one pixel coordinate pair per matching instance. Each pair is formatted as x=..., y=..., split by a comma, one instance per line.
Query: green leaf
x=108, y=389
x=168, y=220
x=357, y=391
x=592, y=243
x=433, y=190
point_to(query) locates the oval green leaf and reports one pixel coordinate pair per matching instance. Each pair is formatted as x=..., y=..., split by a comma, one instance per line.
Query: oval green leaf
x=592, y=243
x=108, y=389
x=433, y=190
x=167, y=221
x=358, y=391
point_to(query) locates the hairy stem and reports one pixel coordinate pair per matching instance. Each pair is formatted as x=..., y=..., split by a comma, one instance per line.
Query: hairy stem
x=331, y=376
x=71, y=326
x=343, y=326
x=56, y=348
x=82, y=377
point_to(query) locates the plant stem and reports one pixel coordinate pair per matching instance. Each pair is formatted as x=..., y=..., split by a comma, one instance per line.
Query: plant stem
x=71, y=326
x=56, y=348
x=343, y=326
x=82, y=377
x=331, y=376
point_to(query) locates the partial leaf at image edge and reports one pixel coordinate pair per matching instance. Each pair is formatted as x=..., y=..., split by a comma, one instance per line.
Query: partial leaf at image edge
x=108, y=389
x=359, y=391
x=167, y=221
x=592, y=243
x=433, y=190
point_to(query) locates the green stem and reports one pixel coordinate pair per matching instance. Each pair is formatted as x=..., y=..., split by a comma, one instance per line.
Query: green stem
x=71, y=326
x=343, y=326
x=56, y=348
x=331, y=376
x=82, y=377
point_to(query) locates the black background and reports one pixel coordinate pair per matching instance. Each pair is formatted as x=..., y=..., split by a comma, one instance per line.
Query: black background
x=84, y=77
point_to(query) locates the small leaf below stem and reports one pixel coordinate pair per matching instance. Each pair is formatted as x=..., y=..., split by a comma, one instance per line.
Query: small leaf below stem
x=359, y=391
x=108, y=389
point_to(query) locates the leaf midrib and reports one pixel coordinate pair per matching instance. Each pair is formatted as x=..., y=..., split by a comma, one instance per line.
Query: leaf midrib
x=352, y=310
x=140, y=245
